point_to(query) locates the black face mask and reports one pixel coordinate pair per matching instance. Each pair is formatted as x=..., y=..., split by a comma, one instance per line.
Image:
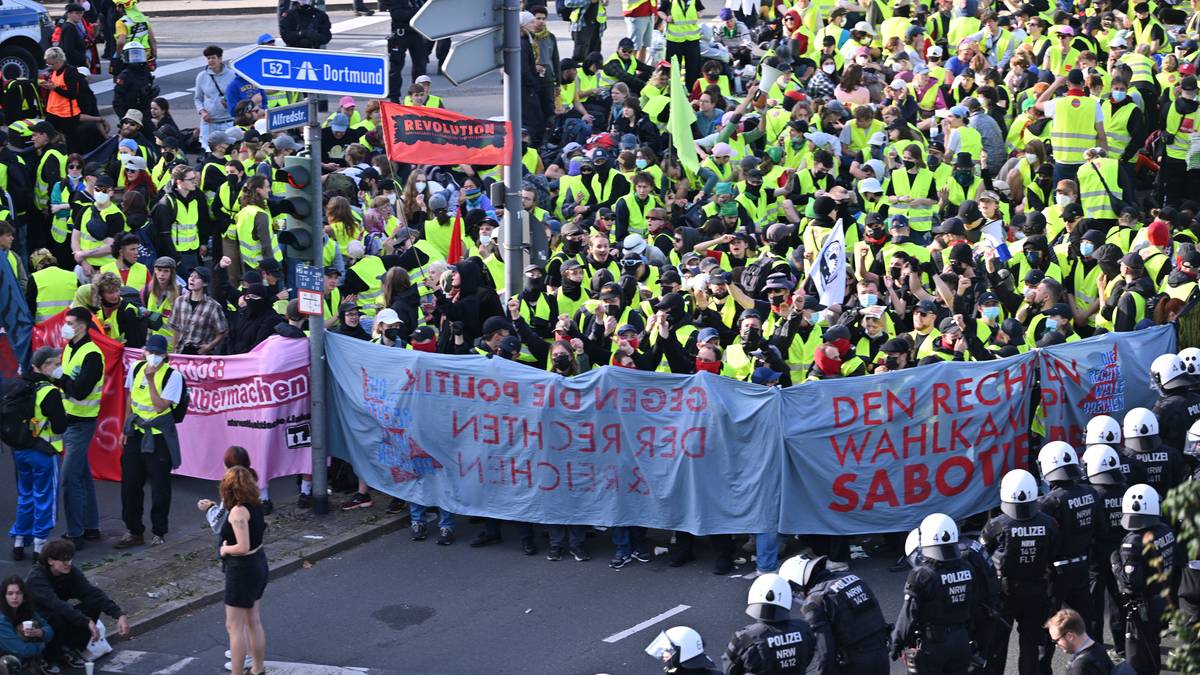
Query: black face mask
x=934, y=162
x=537, y=285
x=570, y=285
x=572, y=246
x=751, y=336
x=562, y=361
x=910, y=164
x=392, y=334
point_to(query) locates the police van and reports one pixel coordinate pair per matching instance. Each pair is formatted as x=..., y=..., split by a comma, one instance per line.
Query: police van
x=25, y=29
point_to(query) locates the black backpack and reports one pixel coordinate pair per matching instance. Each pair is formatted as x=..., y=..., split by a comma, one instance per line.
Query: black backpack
x=22, y=100
x=17, y=399
x=179, y=410
x=754, y=276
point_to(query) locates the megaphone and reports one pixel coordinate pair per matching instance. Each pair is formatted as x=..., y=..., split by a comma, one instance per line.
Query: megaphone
x=770, y=75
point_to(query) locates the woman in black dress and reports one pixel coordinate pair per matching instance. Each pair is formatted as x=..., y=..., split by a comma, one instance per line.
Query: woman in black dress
x=245, y=566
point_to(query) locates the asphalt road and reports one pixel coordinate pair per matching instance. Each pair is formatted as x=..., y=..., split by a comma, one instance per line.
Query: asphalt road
x=395, y=606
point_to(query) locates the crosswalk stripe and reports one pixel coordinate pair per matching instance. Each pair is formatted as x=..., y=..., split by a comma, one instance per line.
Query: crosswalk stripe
x=135, y=662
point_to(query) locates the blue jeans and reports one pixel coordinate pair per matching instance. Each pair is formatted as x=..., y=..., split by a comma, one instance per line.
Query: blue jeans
x=1065, y=171
x=445, y=518
x=766, y=552
x=628, y=539
x=575, y=129
x=37, y=494
x=79, y=491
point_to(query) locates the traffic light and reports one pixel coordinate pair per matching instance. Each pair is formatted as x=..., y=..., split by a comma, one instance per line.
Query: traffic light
x=301, y=235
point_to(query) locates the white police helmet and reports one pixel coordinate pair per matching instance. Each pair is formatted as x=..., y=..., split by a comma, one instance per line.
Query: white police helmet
x=1191, y=359
x=1168, y=373
x=1102, y=430
x=939, y=537
x=912, y=546
x=770, y=598
x=1058, y=461
x=1103, y=465
x=1140, y=429
x=134, y=53
x=1191, y=445
x=679, y=647
x=1139, y=507
x=1018, y=494
x=799, y=570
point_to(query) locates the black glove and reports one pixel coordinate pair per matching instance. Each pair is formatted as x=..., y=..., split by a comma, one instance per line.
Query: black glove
x=897, y=648
x=456, y=327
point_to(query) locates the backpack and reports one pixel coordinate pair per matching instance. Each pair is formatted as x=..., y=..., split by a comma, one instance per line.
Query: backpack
x=754, y=276
x=22, y=100
x=339, y=184
x=179, y=410
x=17, y=399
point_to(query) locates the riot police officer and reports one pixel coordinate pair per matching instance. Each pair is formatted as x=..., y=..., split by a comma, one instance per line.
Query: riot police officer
x=1163, y=463
x=851, y=633
x=933, y=627
x=1191, y=363
x=1103, y=467
x=1179, y=404
x=1076, y=509
x=1022, y=542
x=1145, y=567
x=402, y=43
x=1191, y=450
x=681, y=650
x=775, y=644
x=987, y=593
x=1104, y=430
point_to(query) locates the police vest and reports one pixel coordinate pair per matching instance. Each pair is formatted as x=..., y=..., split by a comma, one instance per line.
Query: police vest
x=55, y=290
x=72, y=362
x=40, y=422
x=139, y=396
x=138, y=32
x=1097, y=187
x=685, y=23
x=852, y=609
x=1022, y=553
x=369, y=269
x=1073, y=129
x=249, y=245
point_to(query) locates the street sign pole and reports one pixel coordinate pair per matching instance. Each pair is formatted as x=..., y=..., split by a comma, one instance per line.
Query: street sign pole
x=316, y=325
x=514, y=259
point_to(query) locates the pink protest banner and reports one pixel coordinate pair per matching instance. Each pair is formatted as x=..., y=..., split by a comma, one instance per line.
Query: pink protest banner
x=260, y=401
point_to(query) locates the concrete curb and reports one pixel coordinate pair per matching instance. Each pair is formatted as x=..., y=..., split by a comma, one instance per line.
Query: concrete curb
x=143, y=622
x=198, y=8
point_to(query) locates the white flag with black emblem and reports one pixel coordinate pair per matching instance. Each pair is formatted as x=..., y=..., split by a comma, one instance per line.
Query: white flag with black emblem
x=830, y=273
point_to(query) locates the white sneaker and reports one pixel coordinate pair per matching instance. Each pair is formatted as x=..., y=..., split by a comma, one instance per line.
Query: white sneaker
x=229, y=664
x=751, y=576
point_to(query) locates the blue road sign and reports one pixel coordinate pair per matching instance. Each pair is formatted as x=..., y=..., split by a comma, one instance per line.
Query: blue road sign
x=310, y=278
x=315, y=71
x=287, y=117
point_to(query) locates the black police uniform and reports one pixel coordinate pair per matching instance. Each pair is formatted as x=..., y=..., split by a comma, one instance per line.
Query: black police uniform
x=936, y=617
x=1164, y=467
x=1080, y=516
x=775, y=648
x=403, y=42
x=988, y=618
x=1022, y=552
x=851, y=633
x=1101, y=583
x=1145, y=575
x=1176, y=411
x=1132, y=468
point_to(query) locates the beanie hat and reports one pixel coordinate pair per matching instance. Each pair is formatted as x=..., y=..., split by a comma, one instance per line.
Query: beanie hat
x=1158, y=234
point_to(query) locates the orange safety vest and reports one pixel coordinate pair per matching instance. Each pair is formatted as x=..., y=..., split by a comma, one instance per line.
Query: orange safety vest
x=57, y=104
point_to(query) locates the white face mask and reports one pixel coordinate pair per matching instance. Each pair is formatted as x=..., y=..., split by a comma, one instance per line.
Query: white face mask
x=154, y=359
x=103, y=198
x=420, y=186
x=829, y=68
x=67, y=331
x=485, y=239
x=1062, y=200
x=57, y=372
x=392, y=199
x=1031, y=158
x=74, y=175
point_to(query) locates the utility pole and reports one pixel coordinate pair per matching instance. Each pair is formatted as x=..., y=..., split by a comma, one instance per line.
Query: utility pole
x=514, y=231
x=316, y=324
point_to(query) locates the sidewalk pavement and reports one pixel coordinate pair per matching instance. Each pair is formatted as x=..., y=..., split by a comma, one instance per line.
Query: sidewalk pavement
x=160, y=8
x=155, y=585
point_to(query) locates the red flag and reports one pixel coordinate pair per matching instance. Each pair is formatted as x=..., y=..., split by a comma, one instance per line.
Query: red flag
x=420, y=135
x=456, y=243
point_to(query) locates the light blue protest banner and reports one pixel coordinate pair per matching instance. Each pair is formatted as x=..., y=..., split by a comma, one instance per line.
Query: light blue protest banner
x=879, y=453
x=1103, y=375
x=494, y=438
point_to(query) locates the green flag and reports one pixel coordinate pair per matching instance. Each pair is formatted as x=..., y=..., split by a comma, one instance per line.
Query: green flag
x=680, y=122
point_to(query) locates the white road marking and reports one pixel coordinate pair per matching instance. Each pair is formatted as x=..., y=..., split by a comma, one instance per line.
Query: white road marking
x=121, y=660
x=134, y=662
x=175, y=95
x=617, y=637
x=175, y=667
x=233, y=52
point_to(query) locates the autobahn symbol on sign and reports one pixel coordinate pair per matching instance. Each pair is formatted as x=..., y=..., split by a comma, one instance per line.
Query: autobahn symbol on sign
x=315, y=71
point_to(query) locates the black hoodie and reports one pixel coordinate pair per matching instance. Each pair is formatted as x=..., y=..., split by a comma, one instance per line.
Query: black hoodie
x=475, y=304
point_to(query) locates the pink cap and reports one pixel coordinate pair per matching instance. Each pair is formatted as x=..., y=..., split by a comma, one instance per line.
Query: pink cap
x=346, y=102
